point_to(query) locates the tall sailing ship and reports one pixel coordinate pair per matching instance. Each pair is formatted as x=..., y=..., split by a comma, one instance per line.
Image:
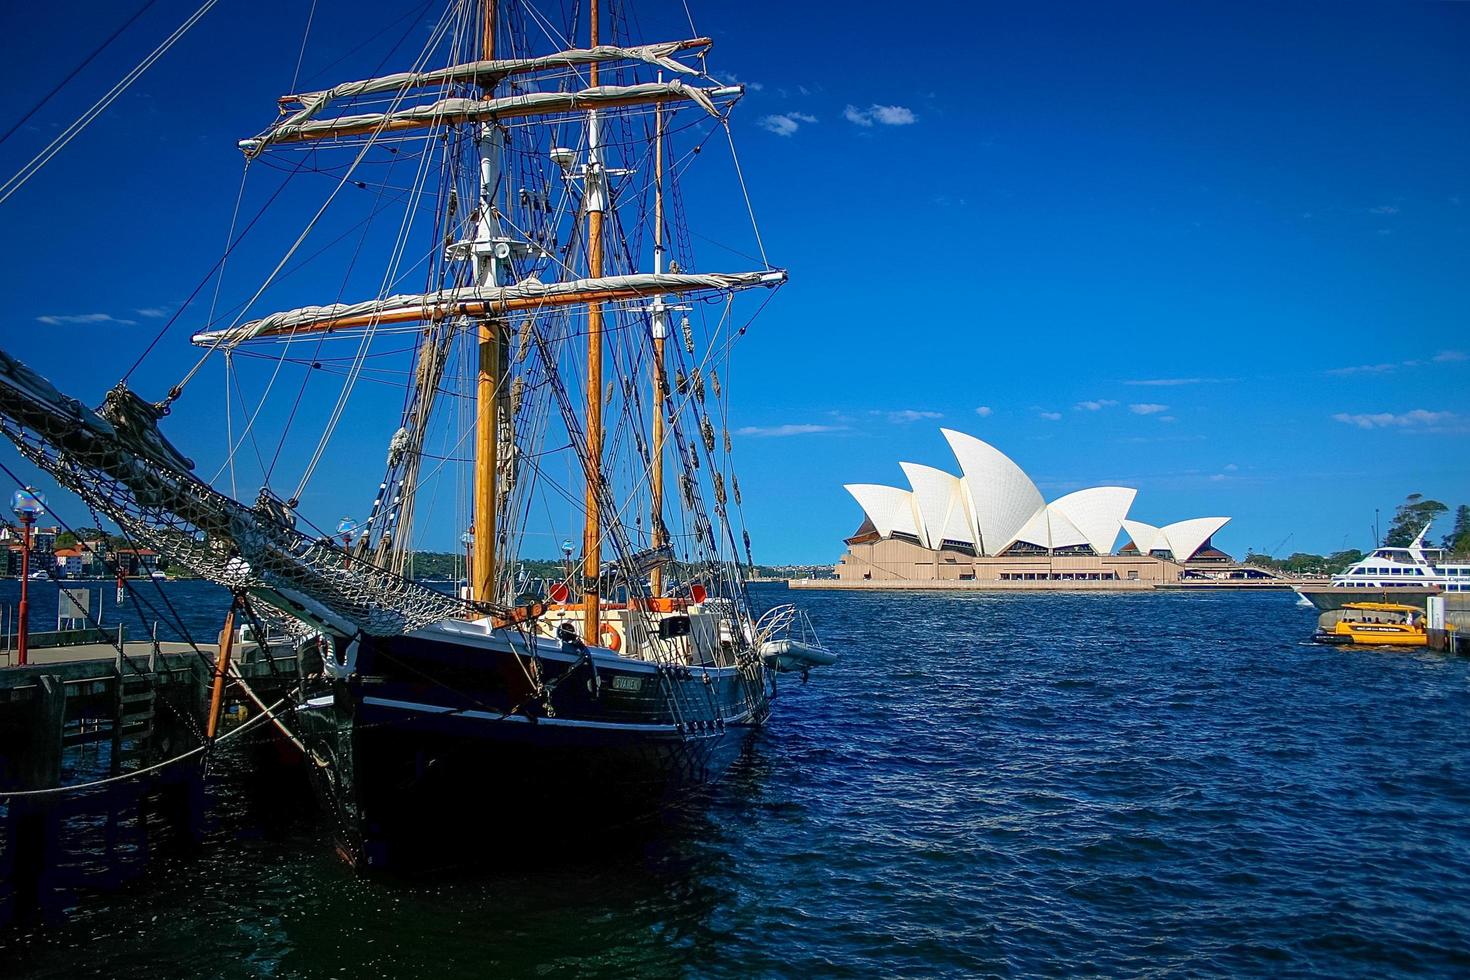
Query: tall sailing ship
x=562, y=316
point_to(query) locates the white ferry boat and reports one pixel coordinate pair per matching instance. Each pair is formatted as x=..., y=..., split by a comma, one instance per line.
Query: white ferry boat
x=1410, y=573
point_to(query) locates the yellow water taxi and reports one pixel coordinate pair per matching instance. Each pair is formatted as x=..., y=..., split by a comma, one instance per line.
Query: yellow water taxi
x=1380, y=624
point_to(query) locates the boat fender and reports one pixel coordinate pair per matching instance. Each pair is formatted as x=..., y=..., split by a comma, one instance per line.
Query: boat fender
x=567, y=634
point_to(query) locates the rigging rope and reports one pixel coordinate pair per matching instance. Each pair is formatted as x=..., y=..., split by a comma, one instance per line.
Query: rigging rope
x=301, y=239
x=77, y=70
x=301, y=55
x=124, y=777
x=67, y=135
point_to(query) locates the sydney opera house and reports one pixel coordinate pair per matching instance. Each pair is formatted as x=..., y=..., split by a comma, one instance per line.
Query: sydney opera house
x=991, y=524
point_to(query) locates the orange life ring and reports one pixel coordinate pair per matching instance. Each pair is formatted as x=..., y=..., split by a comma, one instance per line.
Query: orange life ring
x=611, y=638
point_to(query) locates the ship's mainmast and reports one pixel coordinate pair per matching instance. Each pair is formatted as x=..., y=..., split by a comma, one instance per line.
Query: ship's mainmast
x=491, y=255
x=660, y=383
x=595, y=203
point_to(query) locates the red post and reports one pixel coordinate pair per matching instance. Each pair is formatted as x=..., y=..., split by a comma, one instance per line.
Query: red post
x=22, y=625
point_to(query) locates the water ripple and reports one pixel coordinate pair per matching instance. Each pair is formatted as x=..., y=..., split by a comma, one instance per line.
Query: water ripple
x=987, y=784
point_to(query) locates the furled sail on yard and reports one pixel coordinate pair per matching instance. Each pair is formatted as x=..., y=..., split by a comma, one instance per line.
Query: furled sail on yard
x=453, y=111
x=485, y=301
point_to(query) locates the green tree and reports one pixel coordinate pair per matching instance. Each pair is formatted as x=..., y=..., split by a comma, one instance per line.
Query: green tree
x=1410, y=518
x=1262, y=561
x=1340, y=561
x=1457, y=542
x=66, y=540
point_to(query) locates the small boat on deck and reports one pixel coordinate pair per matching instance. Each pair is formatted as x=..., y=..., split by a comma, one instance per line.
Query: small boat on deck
x=788, y=643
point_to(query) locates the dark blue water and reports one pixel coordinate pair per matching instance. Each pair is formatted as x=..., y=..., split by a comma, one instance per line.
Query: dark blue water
x=1060, y=783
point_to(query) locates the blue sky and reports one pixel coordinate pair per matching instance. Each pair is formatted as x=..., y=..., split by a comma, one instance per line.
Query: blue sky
x=1213, y=252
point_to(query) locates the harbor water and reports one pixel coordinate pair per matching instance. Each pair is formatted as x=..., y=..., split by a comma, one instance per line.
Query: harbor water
x=986, y=784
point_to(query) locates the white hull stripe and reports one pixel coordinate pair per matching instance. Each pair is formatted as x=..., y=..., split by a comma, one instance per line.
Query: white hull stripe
x=439, y=709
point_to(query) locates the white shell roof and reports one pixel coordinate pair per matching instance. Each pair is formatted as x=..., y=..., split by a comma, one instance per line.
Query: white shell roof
x=1050, y=528
x=1181, y=539
x=1098, y=513
x=1187, y=537
x=995, y=505
x=1002, y=497
x=1145, y=537
x=889, y=508
x=939, y=501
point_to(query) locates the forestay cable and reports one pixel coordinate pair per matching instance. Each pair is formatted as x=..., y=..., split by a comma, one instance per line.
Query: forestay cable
x=67, y=135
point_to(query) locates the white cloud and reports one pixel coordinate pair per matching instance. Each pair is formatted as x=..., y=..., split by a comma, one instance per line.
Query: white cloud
x=1173, y=382
x=780, y=125
x=1443, y=357
x=1231, y=467
x=985, y=411
x=1364, y=369
x=894, y=115
x=156, y=312
x=787, y=430
x=1052, y=416
x=785, y=123
x=59, y=319
x=1095, y=405
x=910, y=415
x=1147, y=408
x=886, y=115
x=730, y=78
x=1416, y=418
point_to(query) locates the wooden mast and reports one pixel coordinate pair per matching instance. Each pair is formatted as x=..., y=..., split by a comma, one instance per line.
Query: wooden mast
x=482, y=571
x=660, y=332
x=592, y=534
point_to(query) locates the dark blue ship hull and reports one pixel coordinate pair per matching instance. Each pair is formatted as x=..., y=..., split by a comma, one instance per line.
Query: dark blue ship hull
x=451, y=734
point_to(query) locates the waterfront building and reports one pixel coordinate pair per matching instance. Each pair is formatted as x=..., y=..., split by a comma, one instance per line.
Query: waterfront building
x=136, y=561
x=991, y=524
x=43, y=548
x=94, y=557
x=69, y=563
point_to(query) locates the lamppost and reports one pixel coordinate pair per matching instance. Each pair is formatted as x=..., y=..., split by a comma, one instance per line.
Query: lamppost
x=345, y=527
x=28, y=505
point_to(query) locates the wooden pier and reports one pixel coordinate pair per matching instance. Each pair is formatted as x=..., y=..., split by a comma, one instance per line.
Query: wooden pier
x=146, y=701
